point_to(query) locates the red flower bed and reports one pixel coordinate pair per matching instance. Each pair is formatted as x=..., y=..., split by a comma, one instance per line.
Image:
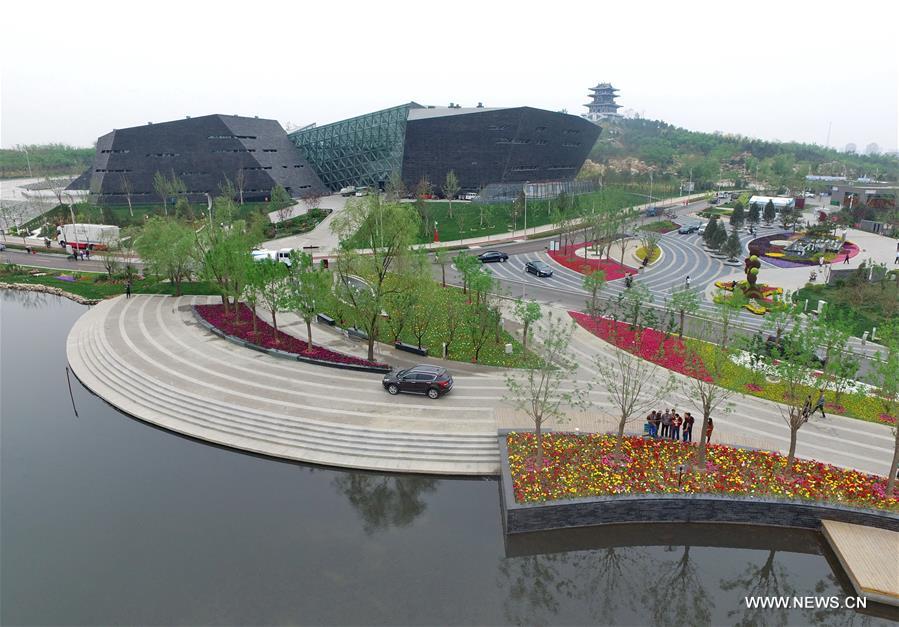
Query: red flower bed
x=649, y=344
x=849, y=250
x=753, y=387
x=243, y=329
x=887, y=419
x=583, y=465
x=568, y=257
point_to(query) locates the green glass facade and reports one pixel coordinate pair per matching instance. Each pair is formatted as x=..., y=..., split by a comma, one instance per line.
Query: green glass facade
x=364, y=150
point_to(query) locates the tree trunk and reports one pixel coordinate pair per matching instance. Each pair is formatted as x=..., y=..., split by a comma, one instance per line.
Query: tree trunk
x=703, y=441
x=680, y=333
x=538, y=462
x=524, y=339
x=443, y=273
x=309, y=335
x=791, y=456
x=255, y=331
x=130, y=208
x=371, y=347
x=619, y=441
x=894, y=466
x=275, y=323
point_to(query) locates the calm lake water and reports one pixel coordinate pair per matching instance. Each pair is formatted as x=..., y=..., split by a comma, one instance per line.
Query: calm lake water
x=105, y=520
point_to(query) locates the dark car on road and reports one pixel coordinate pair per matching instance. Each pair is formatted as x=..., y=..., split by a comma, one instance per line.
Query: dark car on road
x=687, y=229
x=492, y=256
x=539, y=268
x=433, y=381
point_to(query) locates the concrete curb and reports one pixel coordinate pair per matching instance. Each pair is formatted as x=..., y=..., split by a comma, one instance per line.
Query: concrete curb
x=274, y=352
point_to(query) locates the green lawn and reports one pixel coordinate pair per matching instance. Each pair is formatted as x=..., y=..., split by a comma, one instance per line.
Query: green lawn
x=862, y=306
x=661, y=226
x=479, y=219
x=96, y=285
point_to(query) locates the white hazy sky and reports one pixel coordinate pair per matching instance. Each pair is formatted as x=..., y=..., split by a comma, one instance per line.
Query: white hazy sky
x=784, y=70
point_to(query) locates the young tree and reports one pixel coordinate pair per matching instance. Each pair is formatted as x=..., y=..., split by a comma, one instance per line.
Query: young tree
x=167, y=248
x=544, y=388
x=280, y=202
x=593, y=283
x=422, y=314
x=441, y=258
x=769, y=212
x=683, y=301
x=649, y=240
x=705, y=372
x=454, y=311
x=450, y=189
x=884, y=376
x=466, y=264
x=307, y=288
x=719, y=238
x=387, y=230
x=273, y=291
x=161, y=186
x=240, y=182
x=732, y=247
x=479, y=322
x=128, y=191
x=395, y=189
x=527, y=313
x=708, y=235
x=251, y=289
x=634, y=385
x=398, y=306
x=791, y=359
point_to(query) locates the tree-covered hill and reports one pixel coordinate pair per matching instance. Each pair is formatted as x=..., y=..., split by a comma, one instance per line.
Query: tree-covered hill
x=45, y=159
x=634, y=146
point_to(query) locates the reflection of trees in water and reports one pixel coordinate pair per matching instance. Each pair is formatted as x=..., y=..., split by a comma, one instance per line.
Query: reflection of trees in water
x=604, y=579
x=830, y=586
x=768, y=579
x=675, y=593
x=385, y=501
x=30, y=300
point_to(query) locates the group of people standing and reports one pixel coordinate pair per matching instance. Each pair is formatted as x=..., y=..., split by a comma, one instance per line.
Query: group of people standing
x=672, y=426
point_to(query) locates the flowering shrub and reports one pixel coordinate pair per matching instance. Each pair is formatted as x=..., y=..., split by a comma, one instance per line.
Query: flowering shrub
x=649, y=344
x=243, y=329
x=579, y=465
x=569, y=258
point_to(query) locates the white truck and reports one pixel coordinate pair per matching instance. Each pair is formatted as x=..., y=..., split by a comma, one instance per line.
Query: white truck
x=87, y=236
x=282, y=255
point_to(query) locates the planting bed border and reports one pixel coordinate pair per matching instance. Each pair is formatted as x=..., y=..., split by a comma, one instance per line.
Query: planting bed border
x=669, y=508
x=283, y=354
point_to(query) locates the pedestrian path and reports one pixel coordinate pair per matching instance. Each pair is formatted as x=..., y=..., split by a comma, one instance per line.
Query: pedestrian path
x=149, y=357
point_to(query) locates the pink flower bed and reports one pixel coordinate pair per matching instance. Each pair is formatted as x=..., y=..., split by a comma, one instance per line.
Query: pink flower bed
x=567, y=256
x=849, y=250
x=649, y=344
x=266, y=337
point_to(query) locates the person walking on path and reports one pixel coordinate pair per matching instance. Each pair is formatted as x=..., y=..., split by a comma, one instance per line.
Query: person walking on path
x=687, y=282
x=128, y=288
x=708, y=431
x=676, y=422
x=846, y=258
x=819, y=405
x=688, y=427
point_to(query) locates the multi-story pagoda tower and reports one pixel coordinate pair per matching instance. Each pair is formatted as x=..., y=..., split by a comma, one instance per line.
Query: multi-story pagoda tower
x=603, y=105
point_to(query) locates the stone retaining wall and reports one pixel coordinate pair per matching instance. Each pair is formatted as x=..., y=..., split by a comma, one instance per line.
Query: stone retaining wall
x=48, y=289
x=671, y=508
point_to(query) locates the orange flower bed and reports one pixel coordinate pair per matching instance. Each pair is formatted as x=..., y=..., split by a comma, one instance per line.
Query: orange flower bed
x=582, y=465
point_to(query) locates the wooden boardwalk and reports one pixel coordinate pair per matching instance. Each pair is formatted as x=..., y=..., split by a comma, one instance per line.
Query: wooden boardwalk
x=870, y=557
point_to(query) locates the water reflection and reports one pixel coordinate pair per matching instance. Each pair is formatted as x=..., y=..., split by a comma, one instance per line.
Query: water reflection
x=384, y=501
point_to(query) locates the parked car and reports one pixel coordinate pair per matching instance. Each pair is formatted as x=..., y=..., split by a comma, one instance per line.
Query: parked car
x=538, y=268
x=432, y=381
x=469, y=196
x=701, y=230
x=492, y=256
x=687, y=229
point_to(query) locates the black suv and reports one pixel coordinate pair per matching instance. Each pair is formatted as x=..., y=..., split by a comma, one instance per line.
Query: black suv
x=491, y=256
x=434, y=381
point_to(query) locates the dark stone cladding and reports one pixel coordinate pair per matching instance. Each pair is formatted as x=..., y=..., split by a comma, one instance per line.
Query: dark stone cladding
x=649, y=508
x=202, y=152
x=510, y=145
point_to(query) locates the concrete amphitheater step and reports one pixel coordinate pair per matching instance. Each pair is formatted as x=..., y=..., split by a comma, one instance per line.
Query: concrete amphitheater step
x=126, y=386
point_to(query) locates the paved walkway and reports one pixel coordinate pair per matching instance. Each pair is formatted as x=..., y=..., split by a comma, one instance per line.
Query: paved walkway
x=149, y=357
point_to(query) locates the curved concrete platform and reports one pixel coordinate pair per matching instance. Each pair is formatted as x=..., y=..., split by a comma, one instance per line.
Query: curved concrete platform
x=148, y=357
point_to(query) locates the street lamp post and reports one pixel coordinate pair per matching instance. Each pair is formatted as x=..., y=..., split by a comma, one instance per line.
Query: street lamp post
x=526, y=209
x=28, y=161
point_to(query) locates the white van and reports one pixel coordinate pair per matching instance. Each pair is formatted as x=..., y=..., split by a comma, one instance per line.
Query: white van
x=282, y=256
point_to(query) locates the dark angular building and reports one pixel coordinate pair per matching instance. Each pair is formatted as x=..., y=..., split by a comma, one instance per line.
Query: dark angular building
x=484, y=146
x=202, y=152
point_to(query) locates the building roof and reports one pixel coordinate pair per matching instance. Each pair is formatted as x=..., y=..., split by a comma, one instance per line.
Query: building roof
x=439, y=112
